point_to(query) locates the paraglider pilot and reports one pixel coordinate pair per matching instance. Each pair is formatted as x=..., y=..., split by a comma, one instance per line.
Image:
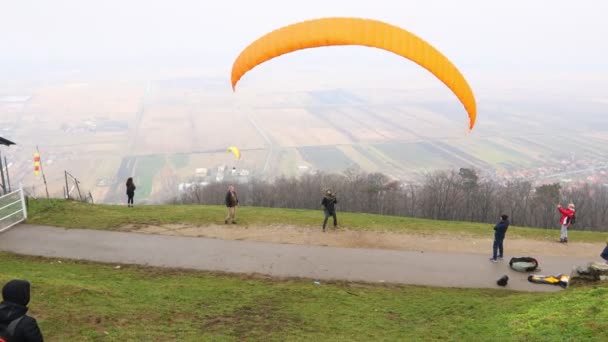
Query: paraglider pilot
x=329, y=206
x=232, y=201
x=500, y=230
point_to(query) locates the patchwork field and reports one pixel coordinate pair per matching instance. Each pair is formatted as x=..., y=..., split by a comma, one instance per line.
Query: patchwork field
x=176, y=130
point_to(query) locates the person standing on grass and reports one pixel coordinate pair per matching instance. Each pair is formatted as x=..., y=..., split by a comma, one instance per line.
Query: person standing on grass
x=130, y=191
x=232, y=201
x=500, y=230
x=329, y=206
x=566, y=218
x=15, y=325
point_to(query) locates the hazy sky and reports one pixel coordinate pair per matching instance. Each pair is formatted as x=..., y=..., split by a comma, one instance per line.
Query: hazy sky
x=478, y=35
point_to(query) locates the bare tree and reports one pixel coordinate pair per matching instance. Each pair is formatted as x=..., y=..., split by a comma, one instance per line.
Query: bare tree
x=460, y=195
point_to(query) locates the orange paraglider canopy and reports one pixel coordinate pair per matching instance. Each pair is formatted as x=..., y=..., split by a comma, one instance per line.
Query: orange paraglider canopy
x=356, y=31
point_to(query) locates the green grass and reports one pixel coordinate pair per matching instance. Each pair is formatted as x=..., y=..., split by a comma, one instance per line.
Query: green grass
x=111, y=217
x=78, y=301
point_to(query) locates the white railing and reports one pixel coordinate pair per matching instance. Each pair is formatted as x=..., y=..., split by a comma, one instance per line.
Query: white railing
x=12, y=209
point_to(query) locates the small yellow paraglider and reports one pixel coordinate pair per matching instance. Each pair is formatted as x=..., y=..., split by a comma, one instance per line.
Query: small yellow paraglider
x=235, y=151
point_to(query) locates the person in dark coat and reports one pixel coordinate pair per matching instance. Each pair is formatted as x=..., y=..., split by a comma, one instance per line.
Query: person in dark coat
x=500, y=230
x=329, y=206
x=130, y=191
x=604, y=253
x=13, y=309
x=232, y=201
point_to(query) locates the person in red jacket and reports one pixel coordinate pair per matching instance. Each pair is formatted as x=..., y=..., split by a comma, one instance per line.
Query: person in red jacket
x=566, y=216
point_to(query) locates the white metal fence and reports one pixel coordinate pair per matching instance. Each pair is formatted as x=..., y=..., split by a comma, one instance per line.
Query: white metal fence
x=12, y=209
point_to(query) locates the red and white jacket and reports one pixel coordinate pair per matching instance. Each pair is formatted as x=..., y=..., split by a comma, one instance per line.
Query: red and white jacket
x=565, y=214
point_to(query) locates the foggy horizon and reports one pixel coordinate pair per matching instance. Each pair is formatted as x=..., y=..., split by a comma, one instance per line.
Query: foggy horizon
x=515, y=36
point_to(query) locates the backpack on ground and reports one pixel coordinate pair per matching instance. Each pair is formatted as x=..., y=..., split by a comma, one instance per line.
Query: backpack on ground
x=7, y=331
x=523, y=264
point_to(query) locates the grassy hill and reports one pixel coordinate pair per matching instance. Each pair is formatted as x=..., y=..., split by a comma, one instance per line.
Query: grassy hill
x=142, y=303
x=111, y=217
x=78, y=301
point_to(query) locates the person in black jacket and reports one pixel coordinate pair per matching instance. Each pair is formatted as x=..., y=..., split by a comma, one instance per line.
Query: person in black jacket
x=500, y=230
x=604, y=253
x=13, y=309
x=130, y=191
x=329, y=206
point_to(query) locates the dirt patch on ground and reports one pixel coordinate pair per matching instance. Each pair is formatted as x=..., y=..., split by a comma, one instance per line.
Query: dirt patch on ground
x=344, y=237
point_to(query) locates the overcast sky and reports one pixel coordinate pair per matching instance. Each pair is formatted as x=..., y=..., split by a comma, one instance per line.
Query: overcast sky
x=488, y=35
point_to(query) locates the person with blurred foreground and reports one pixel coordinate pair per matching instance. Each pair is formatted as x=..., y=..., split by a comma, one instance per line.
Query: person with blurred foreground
x=15, y=325
x=232, y=201
x=329, y=206
x=566, y=219
x=500, y=230
x=604, y=254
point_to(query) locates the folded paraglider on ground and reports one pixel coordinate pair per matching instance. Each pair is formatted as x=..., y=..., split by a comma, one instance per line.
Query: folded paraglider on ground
x=558, y=280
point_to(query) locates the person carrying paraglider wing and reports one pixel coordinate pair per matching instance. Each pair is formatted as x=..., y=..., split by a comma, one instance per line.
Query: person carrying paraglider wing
x=329, y=206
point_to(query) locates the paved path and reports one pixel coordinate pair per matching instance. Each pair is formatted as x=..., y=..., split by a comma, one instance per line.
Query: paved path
x=283, y=260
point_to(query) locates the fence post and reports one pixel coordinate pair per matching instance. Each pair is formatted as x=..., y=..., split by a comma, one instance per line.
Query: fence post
x=23, y=201
x=67, y=188
x=8, y=177
x=78, y=188
x=2, y=184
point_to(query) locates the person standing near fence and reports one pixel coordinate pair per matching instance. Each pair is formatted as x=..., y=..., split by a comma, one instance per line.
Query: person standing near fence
x=130, y=191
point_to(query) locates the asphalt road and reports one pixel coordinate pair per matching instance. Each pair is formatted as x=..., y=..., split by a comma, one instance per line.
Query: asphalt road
x=281, y=260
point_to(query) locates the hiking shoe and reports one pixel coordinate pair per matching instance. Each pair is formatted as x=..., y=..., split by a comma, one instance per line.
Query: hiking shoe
x=493, y=260
x=500, y=257
x=233, y=222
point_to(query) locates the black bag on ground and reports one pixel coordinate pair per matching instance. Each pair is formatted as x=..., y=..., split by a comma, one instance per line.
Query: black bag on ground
x=523, y=264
